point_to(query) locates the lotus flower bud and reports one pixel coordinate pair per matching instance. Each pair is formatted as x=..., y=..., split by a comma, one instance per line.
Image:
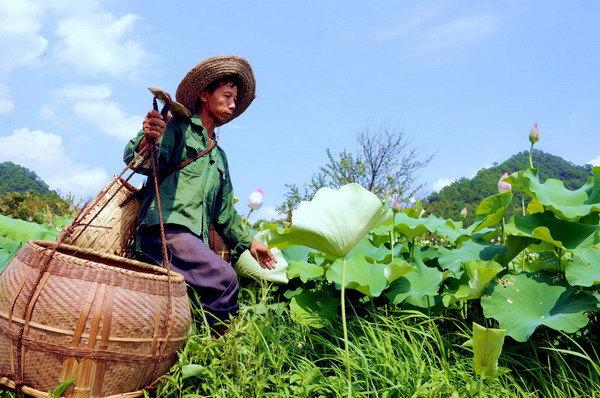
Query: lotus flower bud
x=534, y=134
x=503, y=186
x=71, y=206
x=390, y=176
x=256, y=198
x=397, y=206
x=30, y=219
x=464, y=212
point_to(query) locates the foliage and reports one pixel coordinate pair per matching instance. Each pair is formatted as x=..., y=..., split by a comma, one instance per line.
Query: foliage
x=384, y=164
x=42, y=209
x=15, y=178
x=450, y=200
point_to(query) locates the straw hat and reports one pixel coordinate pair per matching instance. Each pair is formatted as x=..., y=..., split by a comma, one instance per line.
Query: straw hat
x=215, y=68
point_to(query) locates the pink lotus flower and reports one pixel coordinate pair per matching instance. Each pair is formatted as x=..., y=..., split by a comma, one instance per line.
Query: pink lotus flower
x=503, y=186
x=256, y=198
x=534, y=134
x=464, y=212
x=397, y=206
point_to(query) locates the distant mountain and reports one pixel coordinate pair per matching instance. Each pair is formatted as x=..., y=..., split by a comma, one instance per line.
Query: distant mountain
x=15, y=178
x=450, y=200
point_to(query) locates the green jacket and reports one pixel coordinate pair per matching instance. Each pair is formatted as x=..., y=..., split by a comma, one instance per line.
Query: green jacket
x=196, y=196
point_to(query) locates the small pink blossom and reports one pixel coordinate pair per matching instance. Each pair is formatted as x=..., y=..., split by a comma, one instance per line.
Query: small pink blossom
x=397, y=206
x=256, y=198
x=503, y=186
x=464, y=212
x=71, y=206
x=534, y=134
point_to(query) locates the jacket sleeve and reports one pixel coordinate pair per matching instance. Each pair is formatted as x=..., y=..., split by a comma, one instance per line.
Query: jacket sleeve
x=228, y=222
x=143, y=165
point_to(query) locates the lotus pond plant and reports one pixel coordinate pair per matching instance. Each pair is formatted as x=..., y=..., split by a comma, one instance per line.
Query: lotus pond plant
x=536, y=270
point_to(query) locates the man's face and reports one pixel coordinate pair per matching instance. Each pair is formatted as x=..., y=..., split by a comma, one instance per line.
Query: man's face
x=221, y=102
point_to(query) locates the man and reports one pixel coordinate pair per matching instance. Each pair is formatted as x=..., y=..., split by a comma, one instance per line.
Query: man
x=215, y=91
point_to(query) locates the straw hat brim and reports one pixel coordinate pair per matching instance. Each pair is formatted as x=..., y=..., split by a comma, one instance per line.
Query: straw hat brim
x=215, y=68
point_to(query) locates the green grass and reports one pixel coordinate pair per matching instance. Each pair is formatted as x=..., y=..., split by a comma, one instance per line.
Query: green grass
x=394, y=353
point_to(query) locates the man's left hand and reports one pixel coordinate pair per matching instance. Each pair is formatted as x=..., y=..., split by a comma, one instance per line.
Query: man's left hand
x=263, y=255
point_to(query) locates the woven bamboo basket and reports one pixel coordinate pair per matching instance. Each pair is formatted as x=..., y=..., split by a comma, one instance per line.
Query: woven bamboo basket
x=109, y=227
x=100, y=319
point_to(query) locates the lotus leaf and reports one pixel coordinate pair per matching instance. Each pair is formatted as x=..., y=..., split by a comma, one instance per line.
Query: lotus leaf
x=584, y=267
x=491, y=211
x=477, y=275
x=334, y=221
x=523, y=302
x=314, y=309
x=371, y=251
x=23, y=231
x=369, y=279
x=424, y=281
x=248, y=266
x=415, y=227
x=545, y=226
x=487, y=347
x=305, y=270
x=470, y=250
x=567, y=204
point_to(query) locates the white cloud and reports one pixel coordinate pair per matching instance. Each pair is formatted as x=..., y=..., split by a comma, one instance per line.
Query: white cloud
x=44, y=154
x=99, y=42
x=108, y=118
x=430, y=30
x=264, y=213
x=20, y=41
x=77, y=91
x=594, y=162
x=6, y=104
x=441, y=183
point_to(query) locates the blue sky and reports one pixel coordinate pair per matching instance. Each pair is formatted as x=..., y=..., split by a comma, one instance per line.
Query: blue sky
x=465, y=80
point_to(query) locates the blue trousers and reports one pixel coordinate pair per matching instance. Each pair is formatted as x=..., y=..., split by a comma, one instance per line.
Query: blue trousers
x=209, y=276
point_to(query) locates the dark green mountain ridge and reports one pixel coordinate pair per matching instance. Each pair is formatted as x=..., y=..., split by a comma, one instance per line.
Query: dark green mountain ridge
x=450, y=200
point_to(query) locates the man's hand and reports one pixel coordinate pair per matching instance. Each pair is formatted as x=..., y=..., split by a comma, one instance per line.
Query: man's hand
x=263, y=255
x=154, y=127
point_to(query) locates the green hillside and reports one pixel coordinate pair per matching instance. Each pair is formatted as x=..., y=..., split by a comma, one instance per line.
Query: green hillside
x=450, y=200
x=15, y=178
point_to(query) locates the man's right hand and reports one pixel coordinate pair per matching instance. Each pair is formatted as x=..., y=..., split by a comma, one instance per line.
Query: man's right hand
x=154, y=127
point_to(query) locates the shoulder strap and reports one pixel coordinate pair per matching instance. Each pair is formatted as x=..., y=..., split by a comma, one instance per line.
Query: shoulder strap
x=166, y=173
x=162, y=176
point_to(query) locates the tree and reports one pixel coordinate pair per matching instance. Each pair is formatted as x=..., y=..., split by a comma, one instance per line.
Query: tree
x=384, y=163
x=15, y=178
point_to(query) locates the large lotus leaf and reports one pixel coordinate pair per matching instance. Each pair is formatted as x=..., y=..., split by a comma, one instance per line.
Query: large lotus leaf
x=248, y=266
x=583, y=269
x=334, y=221
x=423, y=281
x=370, y=250
x=295, y=253
x=452, y=259
x=491, y=211
x=523, y=302
x=414, y=227
x=305, y=270
x=475, y=278
x=23, y=231
x=8, y=249
x=514, y=246
x=369, y=279
x=314, y=309
x=487, y=347
x=552, y=194
x=545, y=226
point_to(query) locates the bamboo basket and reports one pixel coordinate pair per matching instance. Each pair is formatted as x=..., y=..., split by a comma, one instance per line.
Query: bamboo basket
x=109, y=226
x=110, y=323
